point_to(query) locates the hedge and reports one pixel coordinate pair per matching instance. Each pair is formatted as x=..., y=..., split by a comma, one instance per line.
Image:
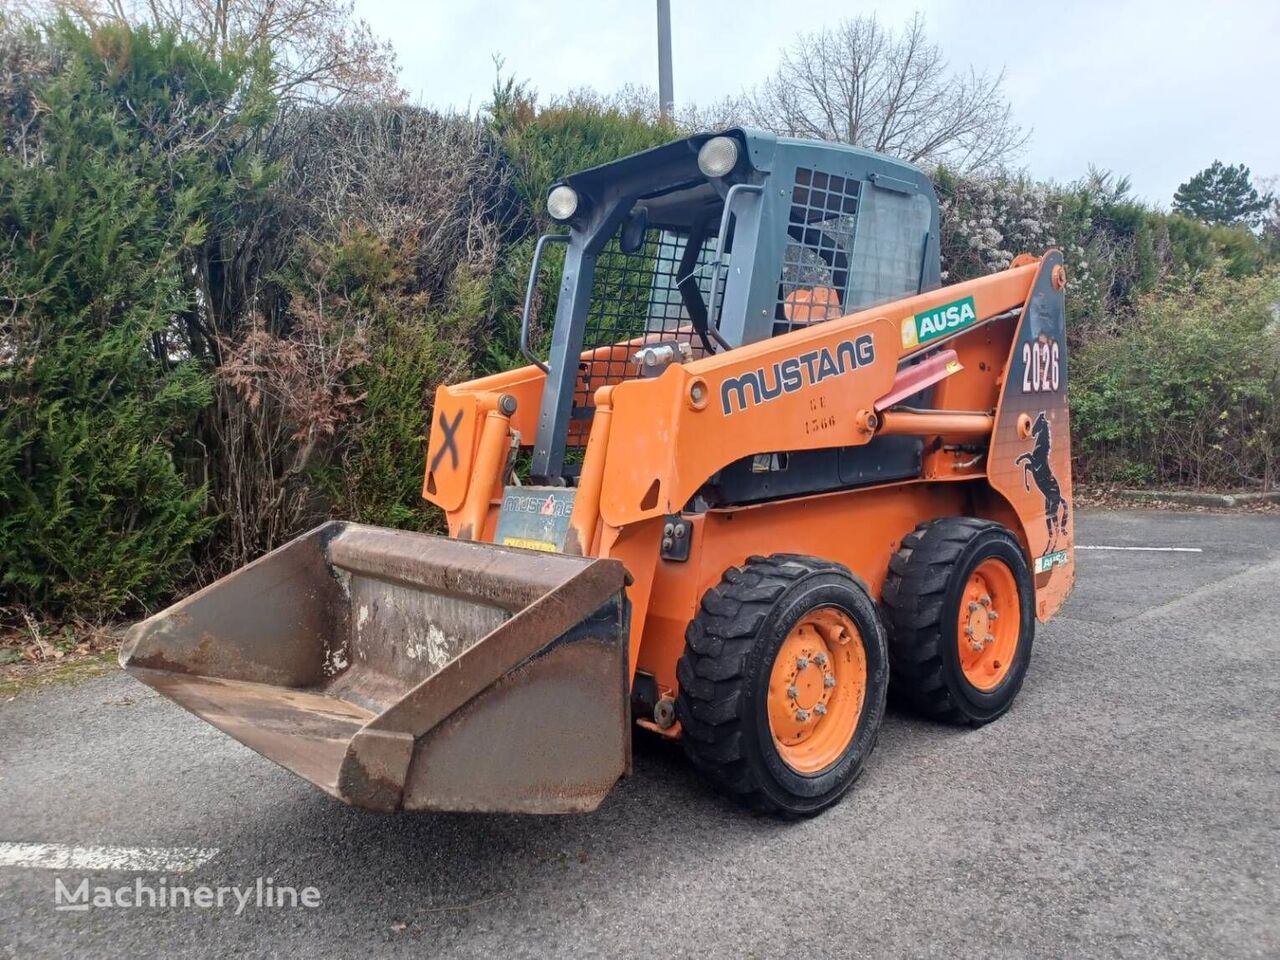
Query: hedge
x=222, y=320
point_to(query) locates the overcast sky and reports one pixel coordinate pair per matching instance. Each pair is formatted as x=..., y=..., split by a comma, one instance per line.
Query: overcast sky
x=1154, y=90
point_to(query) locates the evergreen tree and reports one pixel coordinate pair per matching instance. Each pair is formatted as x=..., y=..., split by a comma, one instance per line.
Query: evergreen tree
x=1221, y=194
x=121, y=172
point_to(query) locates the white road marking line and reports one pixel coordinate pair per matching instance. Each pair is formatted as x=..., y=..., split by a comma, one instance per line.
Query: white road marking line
x=1147, y=549
x=61, y=856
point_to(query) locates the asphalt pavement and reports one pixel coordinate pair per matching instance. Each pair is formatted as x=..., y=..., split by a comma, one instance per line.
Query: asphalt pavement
x=1127, y=806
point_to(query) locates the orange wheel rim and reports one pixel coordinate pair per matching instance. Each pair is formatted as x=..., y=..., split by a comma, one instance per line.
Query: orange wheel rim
x=988, y=624
x=816, y=690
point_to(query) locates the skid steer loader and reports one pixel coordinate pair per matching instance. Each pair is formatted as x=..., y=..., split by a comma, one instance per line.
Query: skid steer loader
x=760, y=468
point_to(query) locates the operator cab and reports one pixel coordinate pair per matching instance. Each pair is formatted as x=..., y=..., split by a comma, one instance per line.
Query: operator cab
x=712, y=242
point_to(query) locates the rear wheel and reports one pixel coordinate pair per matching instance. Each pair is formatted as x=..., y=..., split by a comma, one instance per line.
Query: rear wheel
x=782, y=683
x=959, y=600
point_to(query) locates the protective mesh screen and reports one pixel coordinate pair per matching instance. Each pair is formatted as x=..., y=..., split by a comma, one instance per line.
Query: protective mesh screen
x=889, y=256
x=635, y=300
x=814, y=284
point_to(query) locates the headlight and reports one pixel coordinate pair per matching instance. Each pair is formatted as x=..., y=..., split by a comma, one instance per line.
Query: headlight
x=562, y=202
x=718, y=156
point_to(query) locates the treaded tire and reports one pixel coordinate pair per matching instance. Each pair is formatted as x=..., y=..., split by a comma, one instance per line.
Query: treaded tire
x=921, y=598
x=730, y=648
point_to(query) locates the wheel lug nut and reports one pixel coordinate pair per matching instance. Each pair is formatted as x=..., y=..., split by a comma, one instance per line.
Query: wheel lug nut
x=820, y=659
x=973, y=605
x=989, y=638
x=992, y=615
x=802, y=715
x=985, y=600
x=968, y=631
x=802, y=662
x=792, y=692
x=828, y=681
x=820, y=709
x=976, y=645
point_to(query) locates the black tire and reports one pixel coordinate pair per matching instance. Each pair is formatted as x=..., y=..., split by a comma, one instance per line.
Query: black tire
x=730, y=647
x=922, y=596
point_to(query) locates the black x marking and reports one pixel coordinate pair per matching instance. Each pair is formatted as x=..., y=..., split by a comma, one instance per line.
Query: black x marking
x=450, y=445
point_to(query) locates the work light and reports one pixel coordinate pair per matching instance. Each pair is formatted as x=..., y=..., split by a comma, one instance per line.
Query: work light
x=562, y=202
x=718, y=156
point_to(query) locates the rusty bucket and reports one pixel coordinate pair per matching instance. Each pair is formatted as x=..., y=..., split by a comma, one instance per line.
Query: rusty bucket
x=398, y=670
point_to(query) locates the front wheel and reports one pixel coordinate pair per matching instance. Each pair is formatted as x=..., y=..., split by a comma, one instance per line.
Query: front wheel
x=782, y=683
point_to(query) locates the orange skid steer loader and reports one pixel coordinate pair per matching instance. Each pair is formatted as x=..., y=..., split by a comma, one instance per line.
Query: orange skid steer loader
x=763, y=468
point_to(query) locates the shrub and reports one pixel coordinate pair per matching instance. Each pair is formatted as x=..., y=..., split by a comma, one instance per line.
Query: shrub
x=100, y=210
x=573, y=133
x=366, y=428
x=1188, y=391
x=1116, y=249
x=222, y=321
x=382, y=234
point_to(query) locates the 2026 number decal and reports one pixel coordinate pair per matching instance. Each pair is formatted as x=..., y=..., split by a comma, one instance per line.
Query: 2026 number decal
x=1041, y=371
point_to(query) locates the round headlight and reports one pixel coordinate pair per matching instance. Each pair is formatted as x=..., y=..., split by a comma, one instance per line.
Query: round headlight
x=718, y=156
x=562, y=202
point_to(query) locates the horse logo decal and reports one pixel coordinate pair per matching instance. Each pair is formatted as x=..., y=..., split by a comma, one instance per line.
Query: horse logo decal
x=1035, y=466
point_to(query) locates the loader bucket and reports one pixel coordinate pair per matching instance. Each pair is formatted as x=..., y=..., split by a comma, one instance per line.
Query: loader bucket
x=399, y=670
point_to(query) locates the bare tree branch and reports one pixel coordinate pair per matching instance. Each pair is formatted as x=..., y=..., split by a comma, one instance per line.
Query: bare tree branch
x=861, y=83
x=321, y=52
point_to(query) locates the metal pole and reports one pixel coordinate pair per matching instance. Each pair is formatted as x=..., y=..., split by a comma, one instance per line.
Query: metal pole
x=666, y=93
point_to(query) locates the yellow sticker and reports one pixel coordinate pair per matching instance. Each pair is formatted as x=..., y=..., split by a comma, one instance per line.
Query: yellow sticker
x=542, y=545
x=909, y=338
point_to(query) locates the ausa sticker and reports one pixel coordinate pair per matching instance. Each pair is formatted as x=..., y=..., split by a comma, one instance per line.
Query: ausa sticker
x=1050, y=560
x=938, y=322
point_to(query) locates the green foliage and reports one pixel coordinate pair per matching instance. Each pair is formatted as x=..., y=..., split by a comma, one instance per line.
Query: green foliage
x=102, y=198
x=509, y=282
x=375, y=475
x=1188, y=391
x=1116, y=248
x=1222, y=195
x=569, y=135
x=212, y=338
x=415, y=345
